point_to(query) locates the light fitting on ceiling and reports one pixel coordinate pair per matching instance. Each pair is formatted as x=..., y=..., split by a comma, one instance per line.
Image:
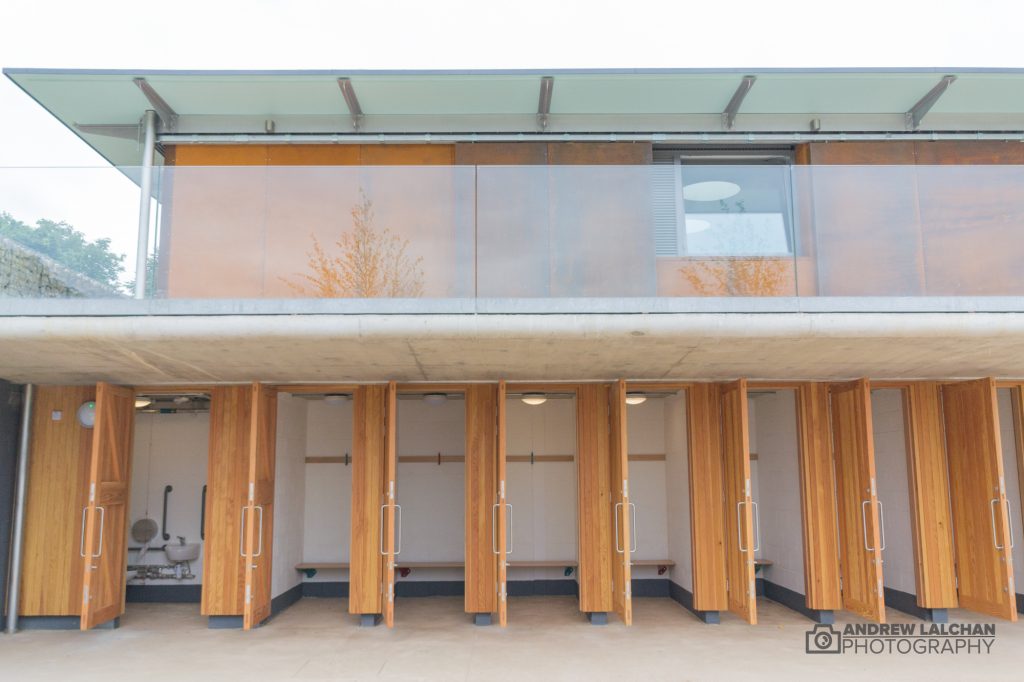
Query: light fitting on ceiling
x=143, y=401
x=635, y=398
x=534, y=398
x=710, y=190
x=337, y=398
x=87, y=414
x=435, y=398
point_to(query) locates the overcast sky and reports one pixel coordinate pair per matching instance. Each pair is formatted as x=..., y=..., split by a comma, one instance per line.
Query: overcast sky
x=453, y=34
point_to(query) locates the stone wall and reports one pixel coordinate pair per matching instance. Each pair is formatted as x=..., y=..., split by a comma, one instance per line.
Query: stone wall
x=25, y=273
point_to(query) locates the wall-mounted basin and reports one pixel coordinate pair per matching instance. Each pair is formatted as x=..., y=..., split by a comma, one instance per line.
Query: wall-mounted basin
x=189, y=552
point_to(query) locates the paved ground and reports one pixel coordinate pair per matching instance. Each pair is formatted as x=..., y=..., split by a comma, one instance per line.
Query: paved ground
x=547, y=639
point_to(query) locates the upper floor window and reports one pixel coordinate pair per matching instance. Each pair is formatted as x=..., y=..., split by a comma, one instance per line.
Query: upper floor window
x=727, y=204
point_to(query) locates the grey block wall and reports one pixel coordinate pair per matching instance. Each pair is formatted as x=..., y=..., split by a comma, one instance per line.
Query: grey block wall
x=10, y=418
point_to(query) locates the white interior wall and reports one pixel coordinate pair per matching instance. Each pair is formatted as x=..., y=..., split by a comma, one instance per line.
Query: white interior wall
x=677, y=491
x=542, y=495
x=1013, y=492
x=432, y=496
x=289, y=492
x=169, y=449
x=327, y=529
x=778, y=488
x=647, y=489
x=893, y=489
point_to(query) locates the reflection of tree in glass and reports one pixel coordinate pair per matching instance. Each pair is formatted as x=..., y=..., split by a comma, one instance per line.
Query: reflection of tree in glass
x=373, y=263
x=738, y=275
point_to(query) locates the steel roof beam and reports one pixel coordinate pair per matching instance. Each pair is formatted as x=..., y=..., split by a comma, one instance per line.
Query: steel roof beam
x=917, y=112
x=733, y=107
x=547, y=86
x=167, y=115
x=351, y=101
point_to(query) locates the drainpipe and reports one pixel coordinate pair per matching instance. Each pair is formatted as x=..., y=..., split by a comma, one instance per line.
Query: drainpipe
x=145, y=195
x=14, y=583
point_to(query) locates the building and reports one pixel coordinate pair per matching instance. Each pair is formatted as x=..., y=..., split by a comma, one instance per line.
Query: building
x=394, y=334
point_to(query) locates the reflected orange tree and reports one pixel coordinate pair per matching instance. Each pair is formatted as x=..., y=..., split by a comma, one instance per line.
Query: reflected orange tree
x=370, y=262
x=737, y=276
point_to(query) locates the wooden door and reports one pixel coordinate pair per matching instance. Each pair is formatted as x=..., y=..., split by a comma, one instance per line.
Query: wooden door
x=623, y=511
x=707, y=503
x=227, y=481
x=106, y=517
x=259, y=510
x=391, y=508
x=367, y=585
x=739, y=531
x=504, y=509
x=977, y=489
x=594, y=499
x=483, y=505
x=859, y=536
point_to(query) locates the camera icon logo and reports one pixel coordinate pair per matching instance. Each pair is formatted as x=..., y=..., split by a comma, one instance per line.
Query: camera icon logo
x=823, y=639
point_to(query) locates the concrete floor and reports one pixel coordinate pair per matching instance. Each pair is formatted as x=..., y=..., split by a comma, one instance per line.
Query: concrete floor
x=433, y=640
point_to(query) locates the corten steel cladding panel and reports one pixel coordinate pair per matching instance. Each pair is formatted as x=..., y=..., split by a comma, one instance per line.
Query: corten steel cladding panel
x=596, y=543
x=482, y=491
x=259, y=512
x=707, y=503
x=818, y=499
x=928, y=479
x=56, y=497
x=977, y=489
x=367, y=564
x=106, y=530
x=861, y=555
x=227, y=497
x=622, y=511
x=739, y=532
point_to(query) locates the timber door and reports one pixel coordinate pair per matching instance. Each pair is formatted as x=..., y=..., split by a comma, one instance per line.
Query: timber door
x=738, y=502
x=485, y=505
x=854, y=452
x=623, y=511
x=977, y=489
x=258, y=516
x=104, y=545
x=367, y=565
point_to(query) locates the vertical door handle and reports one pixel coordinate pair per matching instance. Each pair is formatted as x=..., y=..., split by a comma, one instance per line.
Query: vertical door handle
x=864, y=523
x=81, y=540
x=103, y=522
x=398, y=508
x=881, y=522
x=510, y=545
x=398, y=549
x=259, y=552
x=632, y=510
x=615, y=513
x=739, y=524
x=1009, y=522
x=494, y=528
x=757, y=527
x=241, y=533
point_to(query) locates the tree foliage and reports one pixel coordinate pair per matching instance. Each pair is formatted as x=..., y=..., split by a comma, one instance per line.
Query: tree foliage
x=371, y=263
x=69, y=247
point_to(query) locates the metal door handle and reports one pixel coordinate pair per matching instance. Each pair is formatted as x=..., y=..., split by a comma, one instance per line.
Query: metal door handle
x=739, y=524
x=103, y=522
x=81, y=539
x=615, y=513
x=992, y=513
x=260, y=551
x=757, y=527
x=1009, y=522
x=864, y=523
x=632, y=509
x=508, y=531
x=494, y=528
x=881, y=522
x=241, y=532
x=397, y=508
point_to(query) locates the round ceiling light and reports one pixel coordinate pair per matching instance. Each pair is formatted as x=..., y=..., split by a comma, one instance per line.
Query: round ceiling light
x=336, y=398
x=710, y=190
x=695, y=225
x=87, y=414
x=435, y=398
x=143, y=401
x=635, y=398
x=534, y=398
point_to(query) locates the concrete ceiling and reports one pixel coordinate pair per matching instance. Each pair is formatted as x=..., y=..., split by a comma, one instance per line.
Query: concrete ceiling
x=366, y=348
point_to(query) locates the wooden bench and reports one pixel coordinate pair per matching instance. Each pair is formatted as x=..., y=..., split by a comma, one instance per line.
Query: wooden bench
x=311, y=567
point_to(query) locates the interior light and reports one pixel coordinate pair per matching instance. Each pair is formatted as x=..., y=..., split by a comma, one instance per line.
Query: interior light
x=710, y=190
x=143, y=401
x=534, y=398
x=87, y=414
x=635, y=398
x=336, y=398
x=435, y=398
x=695, y=225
